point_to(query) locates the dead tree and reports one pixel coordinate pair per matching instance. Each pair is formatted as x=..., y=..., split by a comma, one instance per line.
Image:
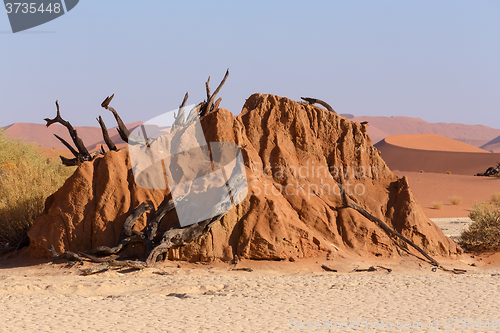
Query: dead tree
x=318, y=101
x=491, y=171
x=81, y=153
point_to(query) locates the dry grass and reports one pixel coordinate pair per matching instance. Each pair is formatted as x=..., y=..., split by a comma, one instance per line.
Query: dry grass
x=495, y=198
x=27, y=178
x=437, y=205
x=455, y=200
x=484, y=232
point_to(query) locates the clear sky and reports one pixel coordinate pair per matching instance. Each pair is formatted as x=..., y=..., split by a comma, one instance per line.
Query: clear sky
x=437, y=60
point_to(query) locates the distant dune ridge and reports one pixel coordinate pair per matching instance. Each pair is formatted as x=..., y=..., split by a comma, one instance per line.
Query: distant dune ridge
x=493, y=146
x=43, y=136
x=434, y=153
x=382, y=127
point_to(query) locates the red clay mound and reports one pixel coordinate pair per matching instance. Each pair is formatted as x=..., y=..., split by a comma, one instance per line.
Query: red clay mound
x=292, y=154
x=434, y=153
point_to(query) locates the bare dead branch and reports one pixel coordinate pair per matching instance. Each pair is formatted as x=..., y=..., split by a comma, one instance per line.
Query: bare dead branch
x=82, y=150
x=216, y=104
x=179, y=118
x=105, y=135
x=163, y=209
x=207, y=87
x=129, y=223
x=122, y=129
x=388, y=230
x=214, y=95
x=71, y=149
x=318, y=101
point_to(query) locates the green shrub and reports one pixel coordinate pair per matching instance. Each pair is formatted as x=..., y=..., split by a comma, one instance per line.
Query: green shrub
x=484, y=232
x=27, y=178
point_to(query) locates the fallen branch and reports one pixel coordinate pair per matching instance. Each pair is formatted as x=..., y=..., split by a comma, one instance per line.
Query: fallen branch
x=387, y=229
x=328, y=269
x=113, y=263
x=163, y=209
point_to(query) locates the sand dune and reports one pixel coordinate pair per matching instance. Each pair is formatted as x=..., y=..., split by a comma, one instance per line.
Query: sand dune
x=493, y=145
x=381, y=127
x=430, y=141
x=43, y=136
x=434, y=154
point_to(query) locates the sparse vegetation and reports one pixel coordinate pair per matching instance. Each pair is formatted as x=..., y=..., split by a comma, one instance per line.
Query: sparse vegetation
x=27, y=178
x=455, y=200
x=484, y=232
x=495, y=198
x=437, y=205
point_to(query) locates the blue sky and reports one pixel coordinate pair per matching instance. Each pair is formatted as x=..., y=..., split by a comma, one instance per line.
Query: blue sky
x=437, y=60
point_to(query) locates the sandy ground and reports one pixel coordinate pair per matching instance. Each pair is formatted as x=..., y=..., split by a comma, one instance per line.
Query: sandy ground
x=434, y=187
x=274, y=297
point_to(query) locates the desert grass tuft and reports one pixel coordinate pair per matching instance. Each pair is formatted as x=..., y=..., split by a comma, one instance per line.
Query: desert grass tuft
x=495, y=198
x=455, y=200
x=437, y=205
x=484, y=232
x=27, y=178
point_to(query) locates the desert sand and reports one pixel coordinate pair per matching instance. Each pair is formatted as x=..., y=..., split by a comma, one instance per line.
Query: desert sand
x=405, y=293
x=436, y=154
x=274, y=297
x=439, y=187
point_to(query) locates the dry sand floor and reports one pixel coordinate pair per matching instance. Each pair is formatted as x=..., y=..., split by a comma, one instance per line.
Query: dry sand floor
x=211, y=299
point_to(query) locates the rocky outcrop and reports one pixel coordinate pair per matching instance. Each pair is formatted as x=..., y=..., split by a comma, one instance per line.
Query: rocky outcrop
x=293, y=155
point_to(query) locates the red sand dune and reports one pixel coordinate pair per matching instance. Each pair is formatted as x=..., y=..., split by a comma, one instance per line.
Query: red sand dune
x=493, y=146
x=435, y=154
x=429, y=141
x=44, y=136
x=382, y=127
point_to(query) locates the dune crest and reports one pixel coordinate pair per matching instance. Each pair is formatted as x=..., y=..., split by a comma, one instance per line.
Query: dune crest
x=293, y=154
